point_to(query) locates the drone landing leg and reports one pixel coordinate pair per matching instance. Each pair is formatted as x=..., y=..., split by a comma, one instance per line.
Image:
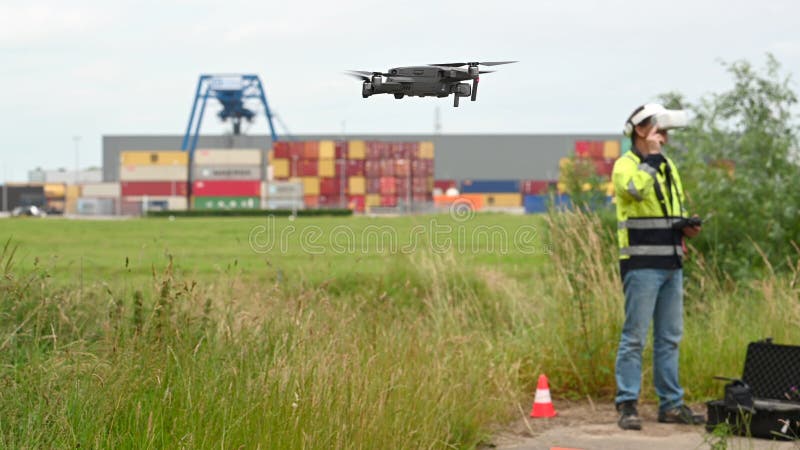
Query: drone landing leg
x=455, y=100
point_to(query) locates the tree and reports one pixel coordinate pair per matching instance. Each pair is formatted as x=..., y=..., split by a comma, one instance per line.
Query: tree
x=737, y=166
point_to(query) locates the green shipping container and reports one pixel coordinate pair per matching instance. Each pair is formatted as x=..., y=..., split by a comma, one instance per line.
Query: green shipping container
x=625, y=145
x=226, y=203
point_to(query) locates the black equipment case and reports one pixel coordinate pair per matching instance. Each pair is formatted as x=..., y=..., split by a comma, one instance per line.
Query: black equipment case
x=765, y=403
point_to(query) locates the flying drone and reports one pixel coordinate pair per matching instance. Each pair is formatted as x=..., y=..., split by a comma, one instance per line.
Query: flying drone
x=434, y=80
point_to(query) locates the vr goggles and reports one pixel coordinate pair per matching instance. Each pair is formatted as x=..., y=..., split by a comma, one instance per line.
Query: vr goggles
x=664, y=119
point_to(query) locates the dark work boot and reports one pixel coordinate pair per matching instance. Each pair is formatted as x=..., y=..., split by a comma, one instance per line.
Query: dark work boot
x=629, y=416
x=682, y=415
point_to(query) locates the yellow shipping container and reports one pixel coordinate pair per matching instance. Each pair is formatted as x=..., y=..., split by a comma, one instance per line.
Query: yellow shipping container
x=71, y=203
x=326, y=168
x=144, y=157
x=280, y=167
x=502, y=199
x=372, y=200
x=356, y=150
x=426, y=150
x=55, y=190
x=357, y=185
x=611, y=150
x=310, y=185
x=327, y=150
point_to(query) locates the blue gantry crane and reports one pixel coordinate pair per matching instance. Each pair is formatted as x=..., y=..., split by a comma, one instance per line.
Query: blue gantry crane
x=233, y=91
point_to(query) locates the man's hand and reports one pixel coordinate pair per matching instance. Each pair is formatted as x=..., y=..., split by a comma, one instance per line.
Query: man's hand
x=654, y=141
x=691, y=232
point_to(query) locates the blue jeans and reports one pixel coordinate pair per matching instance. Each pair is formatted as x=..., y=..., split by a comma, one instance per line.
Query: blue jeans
x=655, y=294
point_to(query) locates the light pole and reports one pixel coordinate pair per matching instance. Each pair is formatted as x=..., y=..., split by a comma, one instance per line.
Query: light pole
x=77, y=140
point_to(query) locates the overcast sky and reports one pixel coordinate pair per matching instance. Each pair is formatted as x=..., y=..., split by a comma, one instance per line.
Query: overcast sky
x=89, y=68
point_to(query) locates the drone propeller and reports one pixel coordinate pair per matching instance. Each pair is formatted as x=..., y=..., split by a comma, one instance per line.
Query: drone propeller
x=360, y=74
x=369, y=76
x=487, y=63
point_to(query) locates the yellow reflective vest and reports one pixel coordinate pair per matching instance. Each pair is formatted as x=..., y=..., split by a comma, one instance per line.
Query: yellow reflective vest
x=648, y=202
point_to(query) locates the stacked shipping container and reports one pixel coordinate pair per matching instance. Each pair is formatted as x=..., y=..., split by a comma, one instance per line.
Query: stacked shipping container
x=494, y=193
x=600, y=154
x=357, y=174
x=152, y=180
x=227, y=179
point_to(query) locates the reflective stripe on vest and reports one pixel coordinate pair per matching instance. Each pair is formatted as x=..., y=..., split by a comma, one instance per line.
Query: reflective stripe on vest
x=652, y=250
x=648, y=224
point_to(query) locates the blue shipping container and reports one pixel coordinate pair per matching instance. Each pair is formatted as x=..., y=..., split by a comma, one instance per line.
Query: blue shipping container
x=539, y=203
x=492, y=186
x=535, y=203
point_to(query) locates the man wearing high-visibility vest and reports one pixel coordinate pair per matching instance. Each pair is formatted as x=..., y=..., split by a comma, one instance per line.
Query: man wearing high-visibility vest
x=652, y=223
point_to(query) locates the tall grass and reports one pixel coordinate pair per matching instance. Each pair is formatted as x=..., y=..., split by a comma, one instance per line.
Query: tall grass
x=423, y=353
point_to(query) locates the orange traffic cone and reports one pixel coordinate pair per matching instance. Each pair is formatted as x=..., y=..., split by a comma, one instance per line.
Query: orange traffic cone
x=542, y=404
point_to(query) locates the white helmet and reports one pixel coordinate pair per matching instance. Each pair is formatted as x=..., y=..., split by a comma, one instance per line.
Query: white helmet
x=665, y=118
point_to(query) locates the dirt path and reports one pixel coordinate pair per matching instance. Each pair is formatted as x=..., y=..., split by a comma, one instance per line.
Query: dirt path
x=582, y=425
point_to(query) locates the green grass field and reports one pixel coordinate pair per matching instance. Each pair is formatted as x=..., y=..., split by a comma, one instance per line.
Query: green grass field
x=104, y=251
x=413, y=332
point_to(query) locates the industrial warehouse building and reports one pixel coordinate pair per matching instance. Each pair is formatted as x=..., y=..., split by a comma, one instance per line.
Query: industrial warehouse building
x=457, y=156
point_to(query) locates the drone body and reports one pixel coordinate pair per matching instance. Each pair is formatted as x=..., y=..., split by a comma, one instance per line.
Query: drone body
x=435, y=80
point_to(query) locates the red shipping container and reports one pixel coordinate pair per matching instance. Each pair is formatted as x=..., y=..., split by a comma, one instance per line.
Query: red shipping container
x=307, y=168
x=311, y=201
x=356, y=202
x=227, y=188
x=130, y=208
x=402, y=186
x=410, y=149
x=374, y=150
x=387, y=185
x=373, y=185
x=420, y=186
x=402, y=168
x=444, y=185
x=603, y=166
x=388, y=200
x=372, y=169
x=387, y=168
x=139, y=188
x=536, y=187
x=354, y=168
x=332, y=201
x=330, y=186
x=340, y=149
x=384, y=150
x=582, y=149
x=281, y=150
x=296, y=149
x=311, y=150
x=418, y=167
x=596, y=149
x=398, y=150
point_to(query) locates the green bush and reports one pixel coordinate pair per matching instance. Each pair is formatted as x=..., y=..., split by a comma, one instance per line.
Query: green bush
x=737, y=166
